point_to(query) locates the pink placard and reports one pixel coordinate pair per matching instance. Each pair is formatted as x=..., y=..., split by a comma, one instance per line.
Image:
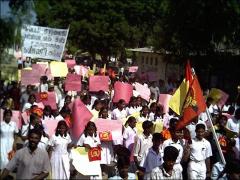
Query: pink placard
x=113, y=126
x=29, y=77
x=143, y=91
x=122, y=91
x=70, y=63
x=50, y=126
x=152, y=76
x=41, y=70
x=97, y=83
x=81, y=70
x=51, y=100
x=15, y=118
x=73, y=82
x=164, y=101
x=80, y=117
x=133, y=69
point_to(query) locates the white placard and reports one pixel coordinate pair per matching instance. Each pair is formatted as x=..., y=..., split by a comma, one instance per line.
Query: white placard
x=43, y=42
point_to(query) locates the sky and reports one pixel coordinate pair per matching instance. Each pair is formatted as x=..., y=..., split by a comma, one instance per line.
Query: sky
x=5, y=11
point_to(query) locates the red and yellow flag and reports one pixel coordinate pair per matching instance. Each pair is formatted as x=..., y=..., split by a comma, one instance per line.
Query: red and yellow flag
x=188, y=100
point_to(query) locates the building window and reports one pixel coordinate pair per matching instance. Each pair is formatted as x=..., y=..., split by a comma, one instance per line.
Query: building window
x=147, y=60
x=151, y=60
x=142, y=59
x=156, y=61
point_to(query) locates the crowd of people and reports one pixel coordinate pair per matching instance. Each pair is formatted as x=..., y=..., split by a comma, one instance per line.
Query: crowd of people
x=169, y=153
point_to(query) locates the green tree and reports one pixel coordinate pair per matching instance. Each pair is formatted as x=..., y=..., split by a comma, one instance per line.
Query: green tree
x=103, y=27
x=197, y=26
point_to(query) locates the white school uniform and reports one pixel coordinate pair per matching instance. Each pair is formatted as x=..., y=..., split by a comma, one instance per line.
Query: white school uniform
x=233, y=124
x=60, y=162
x=119, y=115
x=142, y=119
x=200, y=150
x=7, y=131
x=131, y=110
x=179, y=147
x=129, y=136
x=142, y=144
x=92, y=141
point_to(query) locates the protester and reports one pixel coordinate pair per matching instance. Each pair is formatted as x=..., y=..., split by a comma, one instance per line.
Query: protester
x=153, y=157
x=144, y=151
x=200, y=153
x=31, y=162
x=58, y=152
x=8, y=133
x=167, y=170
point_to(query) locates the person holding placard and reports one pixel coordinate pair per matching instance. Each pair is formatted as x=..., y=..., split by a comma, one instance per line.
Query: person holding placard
x=107, y=155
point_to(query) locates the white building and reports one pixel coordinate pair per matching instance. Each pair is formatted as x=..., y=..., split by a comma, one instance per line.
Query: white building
x=148, y=60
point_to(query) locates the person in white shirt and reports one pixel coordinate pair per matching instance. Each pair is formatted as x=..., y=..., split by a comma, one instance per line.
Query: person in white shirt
x=144, y=114
x=30, y=103
x=233, y=124
x=155, y=90
x=153, y=157
x=200, y=153
x=167, y=170
x=131, y=109
x=43, y=87
x=129, y=133
x=120, y=112
x=178, y=143
x=143, y=142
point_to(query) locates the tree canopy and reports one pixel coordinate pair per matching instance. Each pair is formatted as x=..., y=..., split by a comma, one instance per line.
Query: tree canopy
x=108, y=27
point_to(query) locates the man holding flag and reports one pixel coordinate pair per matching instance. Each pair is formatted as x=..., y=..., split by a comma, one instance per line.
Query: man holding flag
x=188, y=102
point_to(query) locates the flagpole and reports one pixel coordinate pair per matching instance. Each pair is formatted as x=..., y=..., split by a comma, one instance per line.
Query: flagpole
x=65, y=42
x=215, y=136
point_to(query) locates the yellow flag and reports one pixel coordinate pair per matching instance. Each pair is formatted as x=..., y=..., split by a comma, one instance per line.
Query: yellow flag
x=177, y=100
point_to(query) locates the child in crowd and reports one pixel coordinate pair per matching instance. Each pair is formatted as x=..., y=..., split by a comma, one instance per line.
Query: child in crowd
x=167, y=170
x=119, y=112
x=59, y=144
x=47, y=113
x=153, y=157
x=177, y=142
x=131, y=109
x=200, y=153
x=97, y=105
x=34, y=119
x=129, y=133
x=143, y=142
x=144, y=114
x=8, y=131
x=31, y=102
x=107, y=155
x=123, y=165
x=89, y=138
x=103, y=113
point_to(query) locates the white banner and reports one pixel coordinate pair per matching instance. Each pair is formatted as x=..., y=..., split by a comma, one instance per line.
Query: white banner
x=43, y=42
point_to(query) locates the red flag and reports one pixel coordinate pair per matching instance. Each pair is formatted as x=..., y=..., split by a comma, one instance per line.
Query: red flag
x=94, y=154
x=80, y=117
x=194, y=102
